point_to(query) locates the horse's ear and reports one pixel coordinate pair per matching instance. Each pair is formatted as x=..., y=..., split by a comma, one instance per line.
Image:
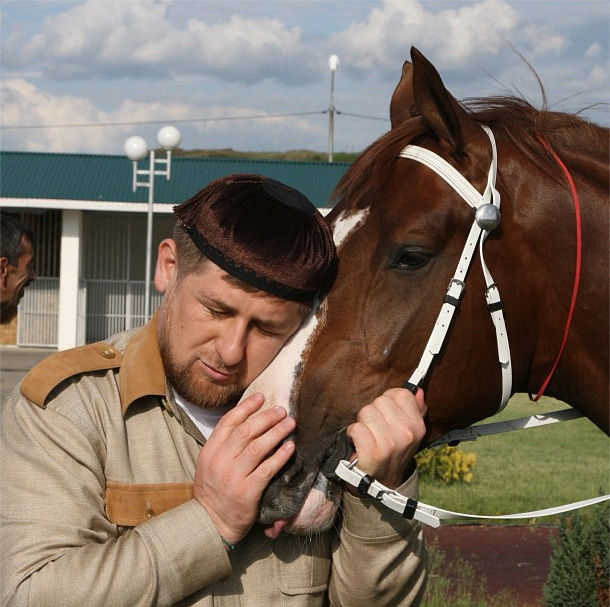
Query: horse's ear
x=402, y=104
x=439, y=108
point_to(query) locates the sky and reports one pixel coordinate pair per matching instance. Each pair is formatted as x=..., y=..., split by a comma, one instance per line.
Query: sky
x=254, y=75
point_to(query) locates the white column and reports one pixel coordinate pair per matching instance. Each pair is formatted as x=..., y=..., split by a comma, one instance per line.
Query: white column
x=69, y=272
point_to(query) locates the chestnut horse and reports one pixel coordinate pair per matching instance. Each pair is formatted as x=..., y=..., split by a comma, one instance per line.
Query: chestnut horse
x=400, y=230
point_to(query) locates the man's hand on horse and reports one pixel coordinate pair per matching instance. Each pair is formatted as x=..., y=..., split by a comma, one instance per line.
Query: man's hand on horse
x=237, y=463
x=387, y=434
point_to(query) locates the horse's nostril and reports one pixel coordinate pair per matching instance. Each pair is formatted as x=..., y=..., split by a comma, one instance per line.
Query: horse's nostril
x=291, y=469
x=338, y=451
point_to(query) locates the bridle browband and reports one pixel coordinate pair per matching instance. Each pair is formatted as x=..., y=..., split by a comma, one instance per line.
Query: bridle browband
x=487, y=218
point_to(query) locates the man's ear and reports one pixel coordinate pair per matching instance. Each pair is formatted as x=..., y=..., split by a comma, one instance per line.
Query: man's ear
x=4, y=264
x=166, y=270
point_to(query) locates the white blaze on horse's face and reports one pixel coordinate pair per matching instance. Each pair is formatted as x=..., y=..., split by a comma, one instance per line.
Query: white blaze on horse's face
x=346, y=223
x=277, y=384
x=277, y=380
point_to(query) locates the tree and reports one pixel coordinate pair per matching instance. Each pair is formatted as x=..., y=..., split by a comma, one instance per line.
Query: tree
x=578, y=575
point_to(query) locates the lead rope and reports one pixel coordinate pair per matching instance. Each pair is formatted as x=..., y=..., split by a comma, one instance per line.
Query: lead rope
x=430, y=515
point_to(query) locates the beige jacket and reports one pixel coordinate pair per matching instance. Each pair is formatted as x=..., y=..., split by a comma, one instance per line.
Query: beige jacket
x=96, y=504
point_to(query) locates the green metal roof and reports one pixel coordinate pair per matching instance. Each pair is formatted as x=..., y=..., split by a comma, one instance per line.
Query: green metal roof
x=109, y=178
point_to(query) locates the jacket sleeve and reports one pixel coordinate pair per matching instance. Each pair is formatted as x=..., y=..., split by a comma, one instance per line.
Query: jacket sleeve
x=380, y=558
x=58, y=546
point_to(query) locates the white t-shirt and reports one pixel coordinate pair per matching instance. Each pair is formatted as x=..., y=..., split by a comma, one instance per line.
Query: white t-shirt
x=204, y=419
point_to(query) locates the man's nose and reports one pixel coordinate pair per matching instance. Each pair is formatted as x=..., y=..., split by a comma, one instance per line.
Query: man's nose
x=231, y=343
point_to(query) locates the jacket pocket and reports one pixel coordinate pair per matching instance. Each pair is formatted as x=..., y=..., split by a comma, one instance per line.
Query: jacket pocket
x=131, y=505
x=303, y=563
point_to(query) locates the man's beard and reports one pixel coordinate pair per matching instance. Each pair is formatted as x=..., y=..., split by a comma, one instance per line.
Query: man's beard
x=197, y=389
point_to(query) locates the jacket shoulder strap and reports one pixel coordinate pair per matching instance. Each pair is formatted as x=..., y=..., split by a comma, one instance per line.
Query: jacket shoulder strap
x=56, y=368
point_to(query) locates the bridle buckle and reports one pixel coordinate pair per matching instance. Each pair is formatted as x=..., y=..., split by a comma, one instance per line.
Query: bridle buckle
x=456, y=281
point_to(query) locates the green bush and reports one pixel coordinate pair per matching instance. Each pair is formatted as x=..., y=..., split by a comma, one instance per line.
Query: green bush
x=449, y=464
x=578, y=575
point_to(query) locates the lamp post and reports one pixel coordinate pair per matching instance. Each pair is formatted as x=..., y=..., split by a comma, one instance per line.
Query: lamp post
x=333, y=64
x=137, y=149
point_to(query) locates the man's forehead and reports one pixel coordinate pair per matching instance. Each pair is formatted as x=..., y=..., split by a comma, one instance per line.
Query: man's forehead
x=222, y=288
x=222, y=281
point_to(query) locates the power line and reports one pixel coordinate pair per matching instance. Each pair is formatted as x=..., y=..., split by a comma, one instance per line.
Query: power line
x=362, y=116
x=135, y=122
x=181, y=120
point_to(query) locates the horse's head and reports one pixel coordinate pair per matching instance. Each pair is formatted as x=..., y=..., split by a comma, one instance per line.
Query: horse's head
x=400, y=231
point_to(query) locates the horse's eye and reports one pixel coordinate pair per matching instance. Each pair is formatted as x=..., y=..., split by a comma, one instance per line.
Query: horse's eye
x=410, y=260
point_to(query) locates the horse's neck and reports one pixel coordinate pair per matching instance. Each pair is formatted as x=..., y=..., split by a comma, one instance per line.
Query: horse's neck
x=581, y=378
x=581, y=375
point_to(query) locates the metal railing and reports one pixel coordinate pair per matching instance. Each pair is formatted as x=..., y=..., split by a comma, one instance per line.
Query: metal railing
x=115, y=305
x=105, y=307
x=38, y=313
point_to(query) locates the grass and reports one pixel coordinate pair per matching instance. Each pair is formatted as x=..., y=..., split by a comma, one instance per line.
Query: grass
x=455, y=582
x=529, y=469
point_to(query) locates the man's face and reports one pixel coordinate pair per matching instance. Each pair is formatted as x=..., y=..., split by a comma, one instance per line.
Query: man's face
x=16, y=278
x=215, y=338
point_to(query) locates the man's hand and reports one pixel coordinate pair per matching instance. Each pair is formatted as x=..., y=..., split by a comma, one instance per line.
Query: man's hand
x=236, y=465
x=387, y=434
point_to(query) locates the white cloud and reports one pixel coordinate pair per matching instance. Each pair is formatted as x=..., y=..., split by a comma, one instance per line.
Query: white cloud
x=451, y=36
x=594, y=51
x=598, y=76
x=25, y=104
x=544, y=40
x=119, y=60
x=137, y=39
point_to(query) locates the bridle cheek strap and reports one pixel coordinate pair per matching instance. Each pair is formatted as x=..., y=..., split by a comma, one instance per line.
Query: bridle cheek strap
x=477, y=235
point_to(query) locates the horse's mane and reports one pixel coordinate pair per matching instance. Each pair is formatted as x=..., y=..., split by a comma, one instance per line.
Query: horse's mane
x=516, y=117
x=510, y=117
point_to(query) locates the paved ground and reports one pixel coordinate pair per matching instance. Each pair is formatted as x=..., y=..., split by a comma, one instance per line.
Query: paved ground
x=15, y=363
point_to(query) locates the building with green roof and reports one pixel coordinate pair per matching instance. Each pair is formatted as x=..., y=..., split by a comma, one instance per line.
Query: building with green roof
x=90, y=229
x=89, y=178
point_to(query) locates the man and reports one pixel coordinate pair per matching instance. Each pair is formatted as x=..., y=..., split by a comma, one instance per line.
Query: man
x=16, y=262
x=130, y=476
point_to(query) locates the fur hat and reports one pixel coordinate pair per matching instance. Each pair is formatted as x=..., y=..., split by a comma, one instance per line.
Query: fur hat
x=264, y=233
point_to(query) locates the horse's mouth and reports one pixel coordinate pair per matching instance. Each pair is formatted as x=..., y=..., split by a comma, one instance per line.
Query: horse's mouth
x=305, y=498
x=316, y=514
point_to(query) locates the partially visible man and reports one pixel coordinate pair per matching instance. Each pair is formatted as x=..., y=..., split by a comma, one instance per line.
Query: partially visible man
x=129, y=474
x=16, y=262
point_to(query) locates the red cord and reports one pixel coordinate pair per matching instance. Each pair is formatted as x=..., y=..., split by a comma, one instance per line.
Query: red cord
x=576, y=265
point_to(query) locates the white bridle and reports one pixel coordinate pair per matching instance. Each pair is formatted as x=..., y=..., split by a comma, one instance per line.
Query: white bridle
x=487, y=218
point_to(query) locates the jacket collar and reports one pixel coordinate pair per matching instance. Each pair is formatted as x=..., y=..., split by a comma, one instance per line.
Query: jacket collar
x=142, y=372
